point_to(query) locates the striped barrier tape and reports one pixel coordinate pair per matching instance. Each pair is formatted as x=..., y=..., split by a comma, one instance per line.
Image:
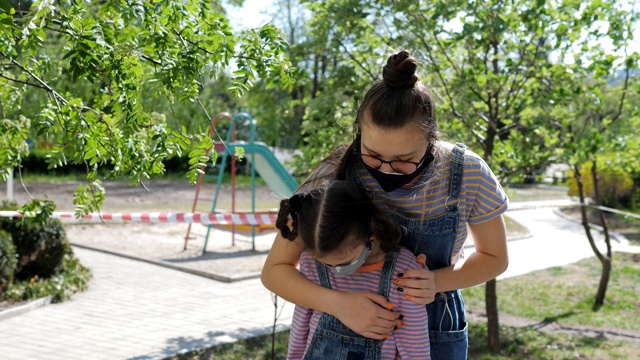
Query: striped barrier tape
x=167, y=217
x=253, y=219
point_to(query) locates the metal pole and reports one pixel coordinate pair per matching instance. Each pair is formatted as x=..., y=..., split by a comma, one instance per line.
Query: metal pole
x=10, y=194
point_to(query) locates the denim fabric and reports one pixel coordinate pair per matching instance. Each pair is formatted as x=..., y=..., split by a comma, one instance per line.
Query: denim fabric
x=448, y=333
x=435, y=237
x=333, y=340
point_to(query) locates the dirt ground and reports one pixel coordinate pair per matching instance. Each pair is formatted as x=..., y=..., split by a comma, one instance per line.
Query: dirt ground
x=226, y=258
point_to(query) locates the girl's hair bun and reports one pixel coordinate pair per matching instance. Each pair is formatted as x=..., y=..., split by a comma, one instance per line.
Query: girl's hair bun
x=400, y=71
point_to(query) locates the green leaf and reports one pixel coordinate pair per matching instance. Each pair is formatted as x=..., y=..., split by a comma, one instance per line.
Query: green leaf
x=6, y=8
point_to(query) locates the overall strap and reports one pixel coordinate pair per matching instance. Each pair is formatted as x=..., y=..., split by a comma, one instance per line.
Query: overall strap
x=323, y=274
x=457, y=170
x=387, y=271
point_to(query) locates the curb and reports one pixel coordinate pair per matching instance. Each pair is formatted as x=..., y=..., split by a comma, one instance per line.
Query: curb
x=21, y=309
x=206, y=274
x=614, y=235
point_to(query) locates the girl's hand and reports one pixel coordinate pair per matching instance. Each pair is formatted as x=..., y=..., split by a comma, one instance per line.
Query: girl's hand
x=366, y=313
x=418, y=285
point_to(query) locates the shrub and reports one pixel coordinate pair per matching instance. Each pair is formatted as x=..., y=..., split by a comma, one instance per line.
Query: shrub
x=73, y=277
x=36, y=163
x=8, y=261
x=40, y=247
x=615, y=185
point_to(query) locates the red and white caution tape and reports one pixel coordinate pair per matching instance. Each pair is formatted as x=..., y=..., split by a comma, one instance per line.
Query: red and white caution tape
x=170, y=217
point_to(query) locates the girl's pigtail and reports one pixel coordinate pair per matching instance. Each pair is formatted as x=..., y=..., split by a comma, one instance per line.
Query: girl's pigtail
x=386, y=231
x=283, y=219
x=290, y=207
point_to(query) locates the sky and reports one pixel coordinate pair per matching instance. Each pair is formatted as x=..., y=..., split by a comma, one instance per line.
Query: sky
x=251, y=15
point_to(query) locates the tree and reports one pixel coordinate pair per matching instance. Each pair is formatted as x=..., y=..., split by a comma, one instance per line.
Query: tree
x=319, y=110
x=279, y=112
x=598, y=127
x=118, y=52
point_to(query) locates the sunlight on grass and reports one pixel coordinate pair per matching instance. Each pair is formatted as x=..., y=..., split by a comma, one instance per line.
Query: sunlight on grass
x=536, y=193
x=514, y=228
x=527, y=343
x=566, y=295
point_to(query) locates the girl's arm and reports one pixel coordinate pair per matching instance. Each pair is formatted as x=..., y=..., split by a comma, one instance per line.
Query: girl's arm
x=363, y=312
x=488, y=261
x=299, y=332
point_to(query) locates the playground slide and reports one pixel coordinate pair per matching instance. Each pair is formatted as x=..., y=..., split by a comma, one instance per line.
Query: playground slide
x=268, y=167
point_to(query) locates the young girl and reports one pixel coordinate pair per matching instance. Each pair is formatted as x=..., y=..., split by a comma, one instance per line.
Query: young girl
x=349, y=245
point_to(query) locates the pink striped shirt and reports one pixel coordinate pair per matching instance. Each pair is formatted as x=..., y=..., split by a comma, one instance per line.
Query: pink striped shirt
x=410, y=341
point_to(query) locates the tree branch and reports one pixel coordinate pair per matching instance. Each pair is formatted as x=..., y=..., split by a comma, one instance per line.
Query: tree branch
x=505, y=129
x=44, y=85
x=452, y=63
x=440, y=75
x=22, y=82
x=353, y=58
x=510, y=100
x=151, y=60
x=622, y=99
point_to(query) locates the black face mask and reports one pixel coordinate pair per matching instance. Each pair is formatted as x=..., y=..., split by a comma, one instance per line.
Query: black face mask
x=390, y=182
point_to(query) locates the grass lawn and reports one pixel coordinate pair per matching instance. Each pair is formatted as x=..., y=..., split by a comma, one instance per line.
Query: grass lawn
x=536, y=192
x=563, y=295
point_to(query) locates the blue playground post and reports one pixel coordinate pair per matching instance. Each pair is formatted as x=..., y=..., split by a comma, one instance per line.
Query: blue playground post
x=223, y=163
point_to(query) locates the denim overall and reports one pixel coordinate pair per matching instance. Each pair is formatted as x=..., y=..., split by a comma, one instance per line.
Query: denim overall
x=435, y=237
x=332, y=340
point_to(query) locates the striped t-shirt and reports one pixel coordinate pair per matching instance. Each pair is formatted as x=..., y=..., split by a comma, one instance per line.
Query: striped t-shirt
x=410, y=341
x=481, y=195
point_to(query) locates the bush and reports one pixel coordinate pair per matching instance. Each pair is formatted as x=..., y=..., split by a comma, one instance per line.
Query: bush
x=40, y=247
x=8, y=261
x=73, y=277
x=36, y=163
x=615, y=185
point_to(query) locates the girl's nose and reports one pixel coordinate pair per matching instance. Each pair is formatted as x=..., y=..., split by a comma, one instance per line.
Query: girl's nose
x=386, y=167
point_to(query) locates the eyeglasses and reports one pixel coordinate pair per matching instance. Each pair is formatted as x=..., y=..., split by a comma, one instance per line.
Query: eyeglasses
x=399, y=166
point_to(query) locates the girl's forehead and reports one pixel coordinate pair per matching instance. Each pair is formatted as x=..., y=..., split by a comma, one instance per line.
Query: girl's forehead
x=391, y=142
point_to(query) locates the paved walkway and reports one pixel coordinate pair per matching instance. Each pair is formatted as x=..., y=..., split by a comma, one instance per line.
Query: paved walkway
x=555, y=240
x=136, y=310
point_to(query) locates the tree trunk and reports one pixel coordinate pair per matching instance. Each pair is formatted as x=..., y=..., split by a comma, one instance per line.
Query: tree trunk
x=604, y=283
x=604, y=260
x=493, y=325
x=490, y=294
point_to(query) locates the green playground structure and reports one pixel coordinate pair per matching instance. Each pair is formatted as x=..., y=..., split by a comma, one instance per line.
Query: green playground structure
x=262, y=161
